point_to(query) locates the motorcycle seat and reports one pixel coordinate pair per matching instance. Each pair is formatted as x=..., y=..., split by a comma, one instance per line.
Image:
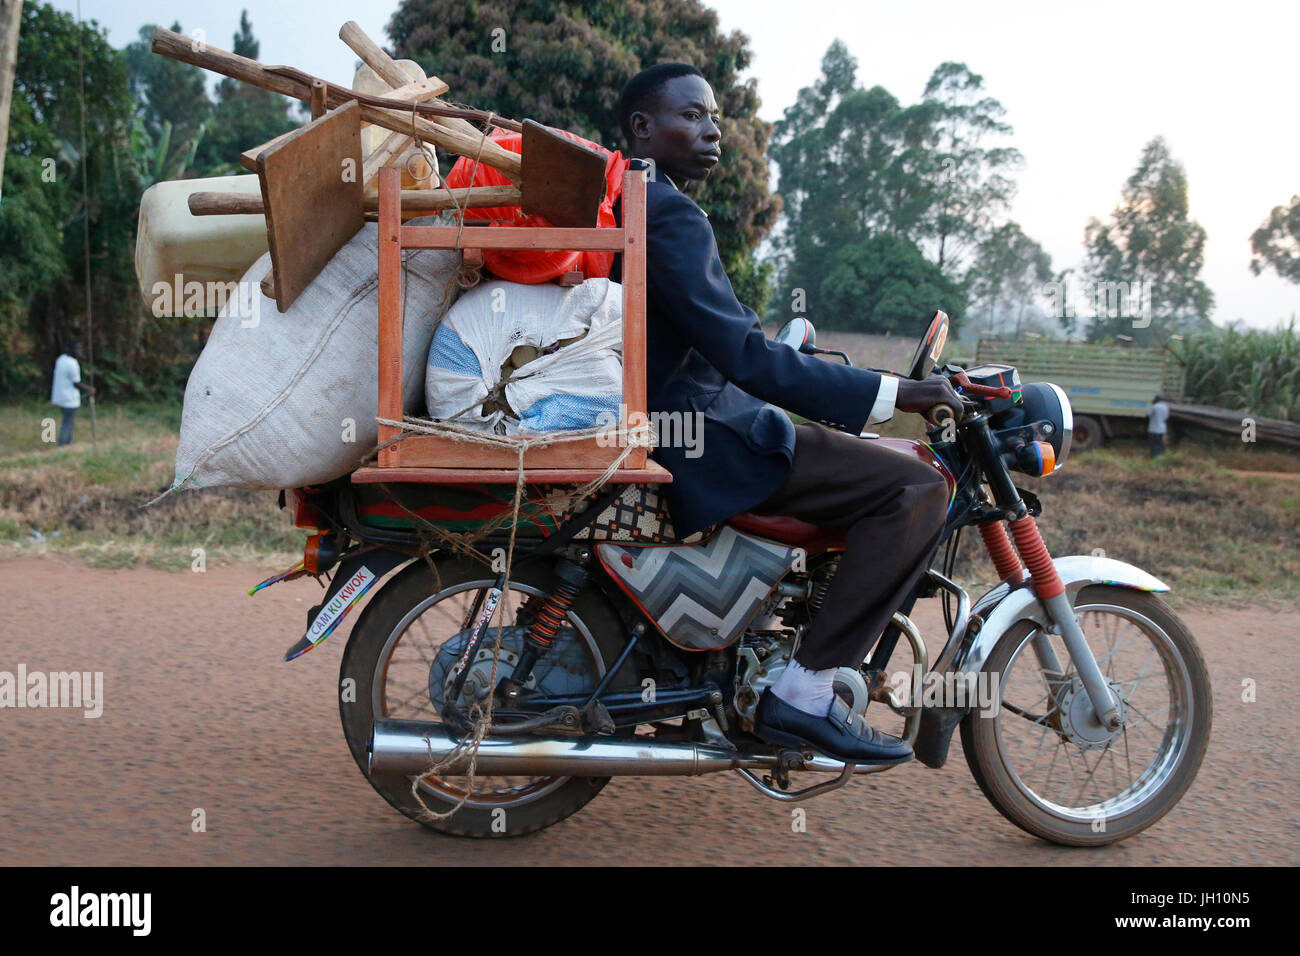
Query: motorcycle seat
x=789, y=530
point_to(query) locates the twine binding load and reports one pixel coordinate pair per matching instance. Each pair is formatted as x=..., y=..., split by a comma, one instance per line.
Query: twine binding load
x=631, y=438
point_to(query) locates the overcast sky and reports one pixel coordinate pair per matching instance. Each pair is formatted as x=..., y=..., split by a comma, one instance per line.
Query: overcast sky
x=1085, y=86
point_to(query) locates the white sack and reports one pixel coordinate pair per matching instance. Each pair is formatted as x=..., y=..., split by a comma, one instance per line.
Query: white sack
x=285, y=400
x=567, y=389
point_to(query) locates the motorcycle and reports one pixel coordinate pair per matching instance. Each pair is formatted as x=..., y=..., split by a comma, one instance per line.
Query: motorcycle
x=1082, y=700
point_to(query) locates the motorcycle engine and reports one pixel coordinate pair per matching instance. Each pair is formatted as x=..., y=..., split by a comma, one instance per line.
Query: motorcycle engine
x=765, y=649
x=763, y=655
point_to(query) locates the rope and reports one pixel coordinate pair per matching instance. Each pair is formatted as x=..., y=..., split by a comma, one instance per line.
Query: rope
x=466, y=277
x=480, y=715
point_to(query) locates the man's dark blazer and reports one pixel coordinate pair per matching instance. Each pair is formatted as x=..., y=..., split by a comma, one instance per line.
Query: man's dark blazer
x=706, y=352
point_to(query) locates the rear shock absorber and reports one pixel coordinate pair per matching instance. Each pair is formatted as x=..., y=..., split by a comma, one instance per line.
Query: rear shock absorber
x=821, y=584
x=570, y=577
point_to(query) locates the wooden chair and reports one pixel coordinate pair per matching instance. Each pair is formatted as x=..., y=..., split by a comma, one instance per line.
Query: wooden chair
x=422, y=458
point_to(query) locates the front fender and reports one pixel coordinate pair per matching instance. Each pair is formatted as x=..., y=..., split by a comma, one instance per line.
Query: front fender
x=1003, y=606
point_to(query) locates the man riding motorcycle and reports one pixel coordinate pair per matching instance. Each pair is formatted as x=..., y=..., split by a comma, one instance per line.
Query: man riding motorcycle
x=706, y=353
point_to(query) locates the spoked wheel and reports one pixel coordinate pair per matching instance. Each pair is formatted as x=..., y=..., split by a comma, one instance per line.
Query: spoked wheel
x=1045, y=761
x=399, y=659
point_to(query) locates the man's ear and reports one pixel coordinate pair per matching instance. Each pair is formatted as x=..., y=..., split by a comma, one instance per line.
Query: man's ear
x=641, y=124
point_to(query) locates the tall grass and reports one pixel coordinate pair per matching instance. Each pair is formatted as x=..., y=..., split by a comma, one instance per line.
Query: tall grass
x=1254, y=370
x=88, y=499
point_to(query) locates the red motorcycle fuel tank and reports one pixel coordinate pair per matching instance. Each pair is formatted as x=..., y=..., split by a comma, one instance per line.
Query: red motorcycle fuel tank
x=921, y=452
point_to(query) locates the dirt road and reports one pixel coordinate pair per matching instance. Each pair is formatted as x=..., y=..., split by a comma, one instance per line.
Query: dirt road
x=199, y=713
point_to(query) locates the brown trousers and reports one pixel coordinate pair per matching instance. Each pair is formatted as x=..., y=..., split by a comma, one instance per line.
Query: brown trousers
x=892, y=508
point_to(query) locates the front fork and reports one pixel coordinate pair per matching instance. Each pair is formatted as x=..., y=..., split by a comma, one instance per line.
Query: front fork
x=1051, y=591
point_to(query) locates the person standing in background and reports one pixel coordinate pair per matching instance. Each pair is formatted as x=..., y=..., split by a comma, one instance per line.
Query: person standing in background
x=67, y=389
x=1157, y=425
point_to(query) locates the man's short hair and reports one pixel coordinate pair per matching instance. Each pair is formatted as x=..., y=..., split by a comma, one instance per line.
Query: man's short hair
x=640, y=91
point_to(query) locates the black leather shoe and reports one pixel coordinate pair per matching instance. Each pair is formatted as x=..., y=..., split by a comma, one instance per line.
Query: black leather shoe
x=841, y=734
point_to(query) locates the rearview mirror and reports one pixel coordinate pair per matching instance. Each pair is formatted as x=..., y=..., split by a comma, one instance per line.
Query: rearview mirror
x=930, y=347
x=799, y=335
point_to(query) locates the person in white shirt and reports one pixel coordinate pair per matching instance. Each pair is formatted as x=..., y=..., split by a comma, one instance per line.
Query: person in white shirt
x=67, y=389
x=1157, y=425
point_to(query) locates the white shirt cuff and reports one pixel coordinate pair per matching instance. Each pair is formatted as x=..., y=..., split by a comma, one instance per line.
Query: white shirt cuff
x=883, y=409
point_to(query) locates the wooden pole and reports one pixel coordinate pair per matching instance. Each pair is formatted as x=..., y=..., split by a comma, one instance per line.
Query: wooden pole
x=413, y=200
x=85, y=235
x=11, y=18
x=318, y=91
x=634, y=293
x=296, y=84
x=390, y=312
x=389, y=70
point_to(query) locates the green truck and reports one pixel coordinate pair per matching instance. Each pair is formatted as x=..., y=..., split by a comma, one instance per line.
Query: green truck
x=1110, y=387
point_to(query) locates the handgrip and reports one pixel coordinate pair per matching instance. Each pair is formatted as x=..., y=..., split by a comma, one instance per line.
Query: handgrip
x=987, y=391
x=940, y=415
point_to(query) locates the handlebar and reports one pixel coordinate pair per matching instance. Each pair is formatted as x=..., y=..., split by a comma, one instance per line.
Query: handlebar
x=968, y=387
x=940, y=415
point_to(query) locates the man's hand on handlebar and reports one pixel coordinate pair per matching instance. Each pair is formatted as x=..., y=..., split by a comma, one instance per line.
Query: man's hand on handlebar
x=927, y=397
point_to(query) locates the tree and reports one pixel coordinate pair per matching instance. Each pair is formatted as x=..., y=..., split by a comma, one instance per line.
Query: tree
x=1145, y=261
x=564, y=64
x=885, y=284
x=173, y=96
x=1276, y=243
x=244, y=116
x=46, y=212
x=42, y=268
x=31, y=241
x=1008, y=274
x=969, y=180
x=856, y=164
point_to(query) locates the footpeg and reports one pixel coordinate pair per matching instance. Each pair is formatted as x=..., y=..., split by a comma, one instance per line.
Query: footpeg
x=596, y=719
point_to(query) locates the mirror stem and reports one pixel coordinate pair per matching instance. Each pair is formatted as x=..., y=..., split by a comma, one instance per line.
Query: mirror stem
x=814, y=350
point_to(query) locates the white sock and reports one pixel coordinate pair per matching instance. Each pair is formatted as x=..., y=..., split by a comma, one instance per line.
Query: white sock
x=809, y=691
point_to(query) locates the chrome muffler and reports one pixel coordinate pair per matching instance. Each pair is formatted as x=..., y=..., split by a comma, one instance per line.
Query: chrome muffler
x=413, y=746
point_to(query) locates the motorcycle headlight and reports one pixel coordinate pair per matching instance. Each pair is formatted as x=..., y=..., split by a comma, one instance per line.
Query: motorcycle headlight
x=1045, y=402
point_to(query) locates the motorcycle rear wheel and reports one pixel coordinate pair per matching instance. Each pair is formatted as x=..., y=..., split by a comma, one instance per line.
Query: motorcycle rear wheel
x=412, y=611
x=1039, y=773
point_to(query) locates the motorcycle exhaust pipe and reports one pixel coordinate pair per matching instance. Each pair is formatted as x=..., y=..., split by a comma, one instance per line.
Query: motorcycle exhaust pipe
x=413, y=746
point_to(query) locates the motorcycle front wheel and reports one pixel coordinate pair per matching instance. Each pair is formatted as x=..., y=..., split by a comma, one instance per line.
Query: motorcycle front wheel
x=398, y=659
x=1044, y=762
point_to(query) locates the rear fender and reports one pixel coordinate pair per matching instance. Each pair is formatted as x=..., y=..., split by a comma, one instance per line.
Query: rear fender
x=357, y=573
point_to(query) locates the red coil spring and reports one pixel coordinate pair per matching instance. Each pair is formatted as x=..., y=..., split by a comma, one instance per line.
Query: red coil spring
x=999, y=547
x=551, y=617
x=1047, y=583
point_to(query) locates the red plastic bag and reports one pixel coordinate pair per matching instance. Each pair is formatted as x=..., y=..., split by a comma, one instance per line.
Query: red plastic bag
x=534, y=266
